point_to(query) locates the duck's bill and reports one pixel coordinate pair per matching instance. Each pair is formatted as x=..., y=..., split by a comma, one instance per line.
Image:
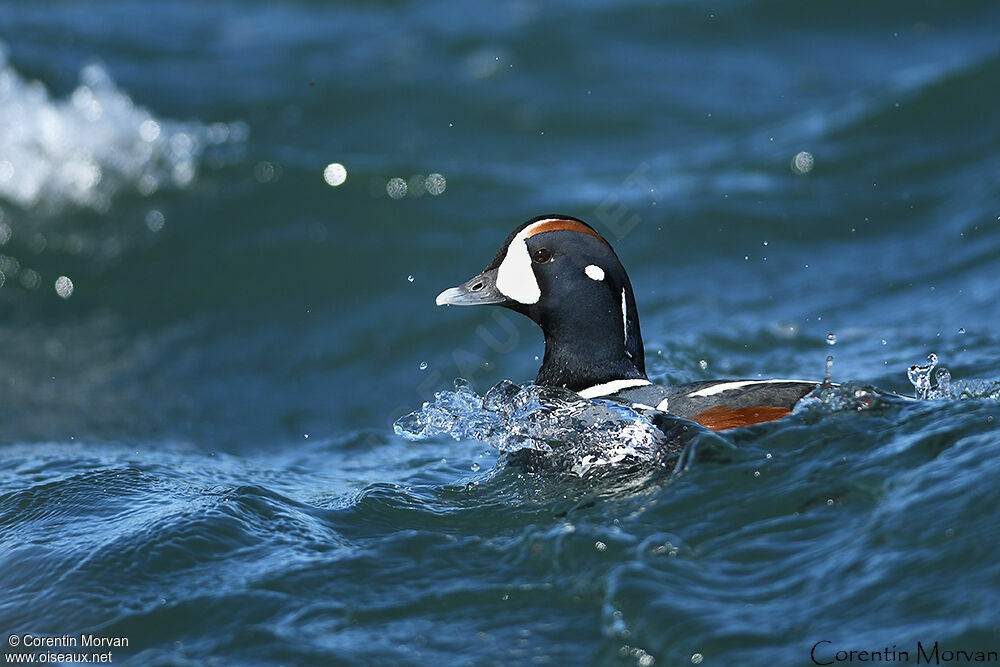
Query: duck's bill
x=479, y=291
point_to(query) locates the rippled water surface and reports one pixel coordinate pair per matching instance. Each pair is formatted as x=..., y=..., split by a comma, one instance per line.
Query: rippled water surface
x=222, y=229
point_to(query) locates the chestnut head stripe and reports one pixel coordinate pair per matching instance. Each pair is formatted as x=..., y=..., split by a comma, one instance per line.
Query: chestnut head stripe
x=560, y=225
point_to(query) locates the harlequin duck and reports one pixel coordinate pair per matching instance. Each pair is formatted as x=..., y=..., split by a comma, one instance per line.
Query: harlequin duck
x=560, y=272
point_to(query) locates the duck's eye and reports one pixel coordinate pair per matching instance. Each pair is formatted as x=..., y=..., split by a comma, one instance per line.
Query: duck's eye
x=541, y=256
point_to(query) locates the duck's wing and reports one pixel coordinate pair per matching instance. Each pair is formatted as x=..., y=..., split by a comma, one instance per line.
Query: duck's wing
x=734, y=403
x=722, y=404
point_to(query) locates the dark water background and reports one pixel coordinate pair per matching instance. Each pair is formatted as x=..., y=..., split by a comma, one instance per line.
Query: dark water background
x=196, y=446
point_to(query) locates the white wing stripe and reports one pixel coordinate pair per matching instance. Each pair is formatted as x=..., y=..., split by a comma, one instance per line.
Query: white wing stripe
x=729, y=386
x=611, y=387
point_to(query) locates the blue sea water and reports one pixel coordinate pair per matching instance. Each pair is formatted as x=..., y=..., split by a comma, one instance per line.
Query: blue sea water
x=207, y=337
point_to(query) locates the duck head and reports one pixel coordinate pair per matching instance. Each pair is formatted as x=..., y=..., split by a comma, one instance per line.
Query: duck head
x=560, y=272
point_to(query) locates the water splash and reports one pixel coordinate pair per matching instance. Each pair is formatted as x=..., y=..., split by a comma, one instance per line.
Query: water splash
x=849, y=396
x=84, y=149
x=829, y=369
x=573, y=433
x=920, y=376
x=946, y=388
x=943, y=377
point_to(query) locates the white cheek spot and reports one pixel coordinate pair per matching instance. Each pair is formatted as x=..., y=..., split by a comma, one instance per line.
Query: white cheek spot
x=515, y=278
x=594, y=272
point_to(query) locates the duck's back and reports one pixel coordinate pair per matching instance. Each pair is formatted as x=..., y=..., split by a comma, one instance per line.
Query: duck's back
x=720, y=405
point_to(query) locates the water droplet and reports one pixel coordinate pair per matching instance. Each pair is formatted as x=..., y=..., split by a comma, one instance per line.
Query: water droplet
x=803, y=163
x=884, y=341
x=703, y=364
x=962, y=330
x=697, y=658
x=423, y=365
x=409, y=278
x=64, y=287
x=264, y=172
x=155, y=220
x=768, y=455
x=600, y=546
x=396, y=188
x=829, y=501
x=335, y=174
x=474, y=467
x=756, y=473
x=829, y=366
x=9, y=265
x=831, y=339
x=30, y=278
x=435, y=184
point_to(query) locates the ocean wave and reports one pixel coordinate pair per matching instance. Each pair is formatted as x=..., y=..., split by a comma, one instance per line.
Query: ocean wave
x=84, y=149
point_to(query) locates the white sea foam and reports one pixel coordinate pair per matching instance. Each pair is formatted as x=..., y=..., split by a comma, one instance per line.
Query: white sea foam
x=84, y=149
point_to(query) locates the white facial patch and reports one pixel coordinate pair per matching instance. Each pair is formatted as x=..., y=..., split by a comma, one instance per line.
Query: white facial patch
x=594, y=272
x=515, y=278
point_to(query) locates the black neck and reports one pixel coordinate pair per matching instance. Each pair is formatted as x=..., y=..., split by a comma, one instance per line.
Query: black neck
x=583, y=352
